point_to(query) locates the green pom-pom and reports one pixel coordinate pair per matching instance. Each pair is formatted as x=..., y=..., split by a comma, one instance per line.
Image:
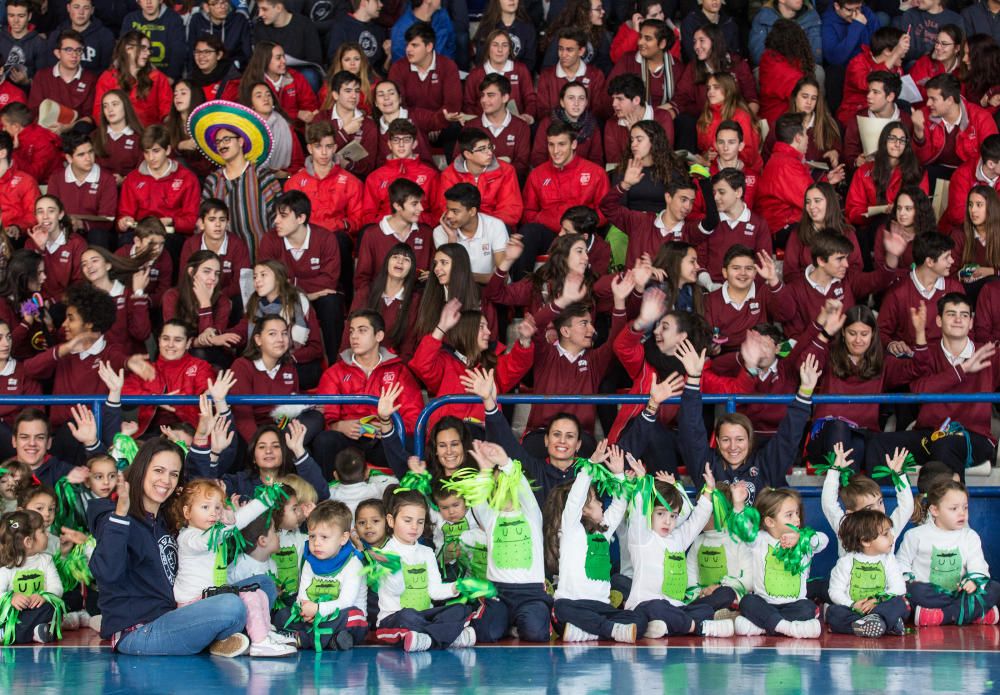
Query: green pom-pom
x=505, y=488
x=70, y=510
x=380, y=564
x=421, y=482
x=73, y=567
x=743, y=526
x=273, y=497
x=721, y=509
x=831, y=465
x=699, y=170
x=227, y=539
x=475, y=487
x=123, y=450
x=471, y=589
x=605, y=482
x=899, y=480
x=797, y=558
x=643, y=491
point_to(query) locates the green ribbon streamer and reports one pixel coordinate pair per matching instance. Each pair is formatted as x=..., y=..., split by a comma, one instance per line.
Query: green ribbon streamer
x=421, y=482
x=59, y=610
x=273, y=497
x=969, y=603
x=315, y=628
x=226, y=540
x=381, y=564
x=506, y=487
x=8, y=617
x=721, y=509
x=70, y=511
x=644, y=489
x=797, y=558
x=471, y=485
x=285, y=589
x=830, y=465
x=73, y=567
x=605, y=482
x=743, y=526
x=182, y=445
x=123, y=450
x=899, y=480
x=472, y=589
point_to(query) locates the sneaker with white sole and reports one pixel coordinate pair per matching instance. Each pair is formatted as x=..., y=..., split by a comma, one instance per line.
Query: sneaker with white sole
x=416, y=642
x=871, y=625
x=806, y=629
x=991, y=617
x=269, y=648
x=282, y=637
x=466, y=638
x=927, y=617
x=95, y=623
x=42, y=634
x=574, y=634
x=655, y=629
x=743, y=626
x=236, y=644
x=624, y=633
x=717, y=628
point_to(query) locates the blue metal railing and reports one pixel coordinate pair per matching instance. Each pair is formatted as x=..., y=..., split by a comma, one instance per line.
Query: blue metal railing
x=730, y=401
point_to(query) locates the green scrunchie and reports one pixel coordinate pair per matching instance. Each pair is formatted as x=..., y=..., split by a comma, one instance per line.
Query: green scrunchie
x=797, y=558
x=899, y=480
x=830, y=465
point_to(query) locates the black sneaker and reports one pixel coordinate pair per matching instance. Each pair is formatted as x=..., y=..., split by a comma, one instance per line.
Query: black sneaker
x=898, y=628
x=344, y=641
x=871, y=625
x=43, y=634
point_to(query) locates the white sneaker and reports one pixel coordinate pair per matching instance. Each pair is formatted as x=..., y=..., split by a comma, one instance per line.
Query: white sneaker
x=467, y=638
x=71, y=621
x=624, y=633
x=279, y=638
x=269, y=648
x=743, y=626
x=806, y=629
x=416, y=642
x=234, y=645
x=655, y=629
x=717, y=628
x=574, y=634
x=95, y=623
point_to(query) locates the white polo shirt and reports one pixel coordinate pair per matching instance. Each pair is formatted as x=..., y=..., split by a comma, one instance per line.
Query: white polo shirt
x=490, y=238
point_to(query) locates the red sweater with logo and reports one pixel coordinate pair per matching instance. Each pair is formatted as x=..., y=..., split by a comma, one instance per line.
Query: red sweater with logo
x=346, y=378
x=73, y=374
x=712, y=248
x=894, y=313
x=427, y=99
x=100, y=198
x=376, y=198
x=643, y=234
x=161, y=274
x=550, y=191
x=18, y=193
x=17, y=383
x=862, y=194
x=513, y=143
x=942, y=377
x=176, y=195
x=77, y=94
x=522, y=89
x=336, y=198
x=733, y=323
x=188, y=376
x=318, y=268
x=122, y=155
x=498, y=188
x=976, y=125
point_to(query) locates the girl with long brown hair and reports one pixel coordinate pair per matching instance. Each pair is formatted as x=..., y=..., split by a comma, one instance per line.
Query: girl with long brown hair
x=712, y=55
x=821, y=210
x=977, y=242
x=117, y=135
x=511, y=18
x=724, y=102
x=878, y=182
x=498, y=56
x=450, y=278
x=132, y=72
x=107, y=271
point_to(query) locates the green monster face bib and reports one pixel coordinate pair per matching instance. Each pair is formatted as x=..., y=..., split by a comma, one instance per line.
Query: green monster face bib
x=512, y=543
x=946, y=567
x=219, y=577
x=415, y=594
x=28, y=582
x=712, y=564
x=778, y=581
x=675, y=576
x=867, y=580
x=453, y=539
x=597, y=565
x=286, y=561
x=479, y=561
x=323, y=589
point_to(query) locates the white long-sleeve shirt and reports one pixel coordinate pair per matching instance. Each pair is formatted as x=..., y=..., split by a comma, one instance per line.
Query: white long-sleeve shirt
x=941, y=557
x=834, y=513
x=37, y=574
x=715, y=558
x=416, y=584
x=659, y=565
x=515, y=544
x=624, y=555
x=196, y=562
x=857, y=576
x=347, y=588
x=771, y=581
x=246, y=566
x=575, y=552
x=355, y=493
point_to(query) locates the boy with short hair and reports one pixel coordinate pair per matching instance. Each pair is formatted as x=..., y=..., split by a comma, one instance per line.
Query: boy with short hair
x=22, y=47
x=475, y=163
x=429, y=82
x=883, y=92
x=336, y=194
x=571, y=45
x=85, y=189
x=483, y=236
x=627, y=94
x=511, y=136
x=67, y=83
x=885, y=54
x=36, y=149
x=460, y=542
x=351, y=125
x=402, y=163
x=353, y=482
x=921, y=23
x=934, y=124
x=737, y=224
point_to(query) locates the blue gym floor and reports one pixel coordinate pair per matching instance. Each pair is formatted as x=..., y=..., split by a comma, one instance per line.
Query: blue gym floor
x=933, y=660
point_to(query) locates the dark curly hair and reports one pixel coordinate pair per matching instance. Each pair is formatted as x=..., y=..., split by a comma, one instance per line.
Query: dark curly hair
x=666, y=166
x=787, y=38
x=94, y=306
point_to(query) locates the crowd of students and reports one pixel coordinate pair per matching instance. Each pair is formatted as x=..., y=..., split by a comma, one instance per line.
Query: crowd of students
x=385, y=195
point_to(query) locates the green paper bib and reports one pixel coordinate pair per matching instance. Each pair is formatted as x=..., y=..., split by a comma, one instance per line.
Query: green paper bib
x=323, y=589
x=219, y=577
x=778, y=581
x=597, y=565
x=453, y=531
x=415, y=583
x=675, y=576
x=946, y=567
x=479, y=561
x=867, y=580
x=28, y=582
x=712, y=564
x=286, y=561
x=512, y=543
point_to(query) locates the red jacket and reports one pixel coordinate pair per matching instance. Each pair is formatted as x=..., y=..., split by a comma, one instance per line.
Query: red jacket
x=10, y=92
x=591, y=149
x=962, y=181
x=175, y=195
x=234, y=260
x=336, y=198
x=62, y=267
x=38, y=152
x=856, y=83
x=976, y=125
x=782, y=187
x=778, y=76
x=376, y=198
x=346, y=378
x=522, y=89
x=498, y=187
x=188, y=376
x=862, y=195
x=549, y=191
x=751, y=138
x=852, y=136
x=295, y=94
x=366, y=136
x=617, y=133
x=421, y=148
x=153, y=108
x=925, y=68
x=441, y=371
x=427, y=99
x=18, y=193
x=690, y=96
x=549, y=86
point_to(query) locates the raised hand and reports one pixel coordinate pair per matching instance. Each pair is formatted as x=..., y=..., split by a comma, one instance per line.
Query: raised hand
x=980, y=359
x=671, y=386
x=809, y=372
x=513, y=250
x=600, y=452
x=918, y=317
x=622, y=286
x=654, y=306
x=842, y=458
x=709, y=477
x=140, y=279
x=83, y=425
x=526, y=329
x=387, y=400
x=574, y=289
x=616, y=460
x=488, y=455
x=633, y=173
x=114, y=380
x=833, y=317
x=221, y=435
x=122, y=490
x=415, y=465
x=766, y=268
x=479, y=382
x=898, y=458
x=141, y=367
x=637, y=466
x=788, y=539
x=693, y=361
x=220, y=387
x=295, y=436
x=451, y=313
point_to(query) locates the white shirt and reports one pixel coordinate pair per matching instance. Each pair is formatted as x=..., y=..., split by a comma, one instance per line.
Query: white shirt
x=127, y=130
x=391, y=588
x=502, y=564
x=223, y=247
x=966, y=353
x=494, y=129
x=834, y=513
x=389, y=231
x=354, y=493
x=728, y=299
x=580, y=72
x=490, y=70
x=93, y=176
x=261, y=367
x=430, y=69
x=927, y=292
x=41, y=562
x=490, y=237
x=647, y=115
x=764, y=564
x=674, y=231
x=743, y=217
x=353, y=590
x=704, y=564
x=823, y=290
x=297, y=252
x=842, y=574
x=953, y=553
x=383, y=125
x=54, y=245
x=94, y=349
x=981, y=175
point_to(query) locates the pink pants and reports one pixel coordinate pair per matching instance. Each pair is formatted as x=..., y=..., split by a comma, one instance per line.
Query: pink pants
x=258, y=614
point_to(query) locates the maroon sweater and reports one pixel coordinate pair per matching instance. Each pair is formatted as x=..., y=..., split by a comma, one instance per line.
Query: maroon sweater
x=17, y=383
x=122, y=155
x=807, y=301
x=132, y=325
x=375, y=247
x=550, y=84
x=216, y=317
x=77, y=94
x=391, y=313
x=555, y=374
x=62, y=268
x=944, y=378
x=250, y=380
x=426, y=99
x=512, y=143
x=712, y=248
x=522, y=89
x=236, y=258
x=986, y=325
x=616, y=135
x=161, y=275
x=894, y=315
x=317, y=269
x=644, y=236
x=99, y=198
x=733, y=323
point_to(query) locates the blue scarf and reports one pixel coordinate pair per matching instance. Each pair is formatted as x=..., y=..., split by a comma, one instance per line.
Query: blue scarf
x=331, y=565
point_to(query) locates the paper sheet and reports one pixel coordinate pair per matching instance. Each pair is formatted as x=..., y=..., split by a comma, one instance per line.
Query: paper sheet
x=876, y=210
x=910, y=92
x=353, y=151
x=870, y=129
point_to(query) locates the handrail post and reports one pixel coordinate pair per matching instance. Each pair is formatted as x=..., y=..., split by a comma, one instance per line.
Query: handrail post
x=730, y=405
x=96, y=406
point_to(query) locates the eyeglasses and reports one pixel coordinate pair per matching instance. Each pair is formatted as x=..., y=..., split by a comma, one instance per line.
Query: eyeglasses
x=72, y=51
x=401, y=139
x=942, y=44
x=483, y=149
x=204, y=51
x=226, y=139
x=896, y=140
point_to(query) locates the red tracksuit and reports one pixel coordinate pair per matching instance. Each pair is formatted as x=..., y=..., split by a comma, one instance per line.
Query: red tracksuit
x=346, y=378
x=778, y=76
x=856, y=83
x=18, y=193
x=294, y=94
x=318, y=268
x=498, y=188
x=336, y=198
x=37, y=152
x=962, y=181
x=153, y=108
x=782, y=187
x=188, y=376
x=976, y=125
x=376, y=199
x=427, y=99
x=550, y=191
x=176, y=195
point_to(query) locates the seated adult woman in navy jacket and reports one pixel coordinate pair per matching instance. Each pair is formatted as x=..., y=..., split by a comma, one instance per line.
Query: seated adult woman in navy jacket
x=135, y=564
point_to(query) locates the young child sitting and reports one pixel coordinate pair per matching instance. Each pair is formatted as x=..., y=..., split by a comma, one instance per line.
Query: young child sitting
x=950, y=584
x=28, y=579
x=657, y=544
x=42, y=499
x=13, y=478
x=718, y=561
x=867, y=588
x=353, y=481
x=370, y=532
x=778, y=604
x=291, y=542
x=460, y=542
x=203, y=558
x=329, y=612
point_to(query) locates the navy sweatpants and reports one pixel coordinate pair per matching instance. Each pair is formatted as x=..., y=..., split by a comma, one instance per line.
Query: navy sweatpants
x=524, y=606
x=839, y=618
x=595, y=617
x=352, y=619
x=767, y=615
x=929, y=596
x=443, y=624
x=680, y=620
x=29, y=619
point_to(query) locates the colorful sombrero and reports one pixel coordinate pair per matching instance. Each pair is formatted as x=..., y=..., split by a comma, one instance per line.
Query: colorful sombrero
x=206, y=120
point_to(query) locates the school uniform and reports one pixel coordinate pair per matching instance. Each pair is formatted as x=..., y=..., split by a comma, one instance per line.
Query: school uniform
x=427, y=95
x=379, y=239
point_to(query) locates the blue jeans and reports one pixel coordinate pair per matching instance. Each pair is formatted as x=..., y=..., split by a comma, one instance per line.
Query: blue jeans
x=187, y=630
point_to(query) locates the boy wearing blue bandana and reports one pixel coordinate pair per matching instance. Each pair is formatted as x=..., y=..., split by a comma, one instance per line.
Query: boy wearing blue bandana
x=329, y=612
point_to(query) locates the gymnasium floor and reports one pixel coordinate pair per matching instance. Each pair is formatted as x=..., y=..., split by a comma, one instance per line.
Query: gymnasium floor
x=932, y=660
